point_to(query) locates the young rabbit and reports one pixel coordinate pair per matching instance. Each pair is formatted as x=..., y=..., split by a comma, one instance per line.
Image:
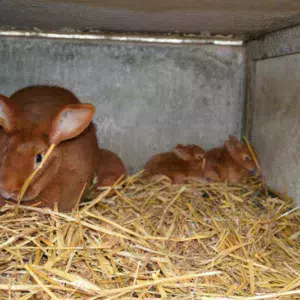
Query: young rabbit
x=182, y=163
x=210, y=172
x=110, y=168
x=232, y=163
x=32, y=119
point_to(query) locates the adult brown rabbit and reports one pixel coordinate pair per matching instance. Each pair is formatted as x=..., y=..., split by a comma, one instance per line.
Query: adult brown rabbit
x=110, y=168
x=32, y=119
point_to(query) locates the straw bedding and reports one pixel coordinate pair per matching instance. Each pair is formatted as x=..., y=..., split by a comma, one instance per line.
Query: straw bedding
x=155, y=241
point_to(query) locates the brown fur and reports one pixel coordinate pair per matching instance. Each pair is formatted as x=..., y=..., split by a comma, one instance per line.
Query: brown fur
x=33, y=115
x=110, y=168
x=186, y=152
x=185, y=162
x=232, y=163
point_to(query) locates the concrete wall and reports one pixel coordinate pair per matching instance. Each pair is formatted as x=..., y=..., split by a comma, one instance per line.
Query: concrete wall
x=234, y=17
x=276, y=121
x=148, y=97
x=273, y=107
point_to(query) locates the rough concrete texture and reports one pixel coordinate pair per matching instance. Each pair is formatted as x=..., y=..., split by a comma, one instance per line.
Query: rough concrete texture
x=282, y=42
x=148, y=97
x=276, y=121
x=237, y=17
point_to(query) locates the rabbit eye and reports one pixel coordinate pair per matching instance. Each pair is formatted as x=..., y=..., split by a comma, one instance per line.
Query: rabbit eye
x=246, y=157
x=38, y=158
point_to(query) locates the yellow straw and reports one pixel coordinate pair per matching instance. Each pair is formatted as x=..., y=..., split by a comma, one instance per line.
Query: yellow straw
x=252, y=153
x=29, y=179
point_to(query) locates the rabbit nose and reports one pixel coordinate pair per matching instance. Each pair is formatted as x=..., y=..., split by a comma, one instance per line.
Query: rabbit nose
x=10, y=187
x=254, y=171
x=5, y=195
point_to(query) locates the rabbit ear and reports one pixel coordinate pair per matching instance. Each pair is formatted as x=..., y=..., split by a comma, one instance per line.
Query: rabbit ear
x=71, y=121
x=180, y=151
x=233, y=139
x=229, y=147
x=179, y=146
x=6, y=115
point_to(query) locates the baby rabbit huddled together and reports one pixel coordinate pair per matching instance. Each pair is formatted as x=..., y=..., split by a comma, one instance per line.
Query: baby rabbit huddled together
x=37, y=117
x=232, y=163
x=184, y=162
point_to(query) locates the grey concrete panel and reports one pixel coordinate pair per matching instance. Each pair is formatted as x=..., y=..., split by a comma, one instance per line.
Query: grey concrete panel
x=280, y=43
x=148, y=97
x=276, y=121
x=237, y=17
